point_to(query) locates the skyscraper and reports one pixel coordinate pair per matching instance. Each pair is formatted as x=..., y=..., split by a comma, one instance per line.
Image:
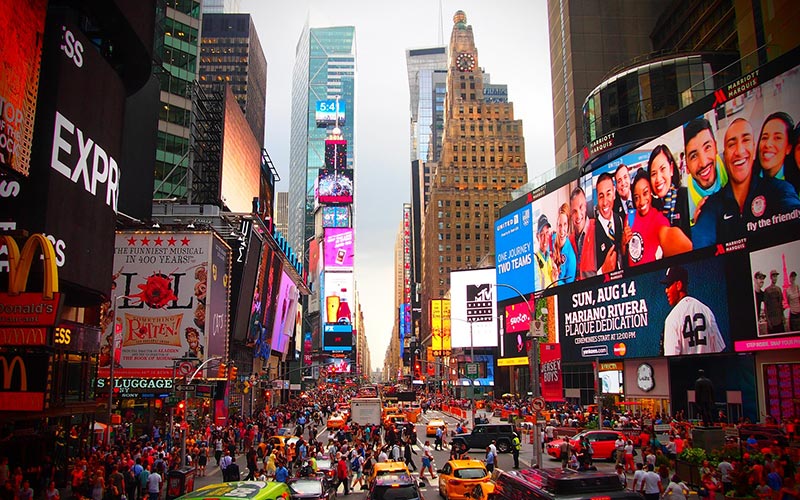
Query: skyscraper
x=231, y=53
x=178, y=52
x=325, y=65
x=482, y=161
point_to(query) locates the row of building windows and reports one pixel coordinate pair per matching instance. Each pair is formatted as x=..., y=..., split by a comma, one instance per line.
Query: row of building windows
x=177, y=29
x=484, y=179
x=189, y=7
x=446, y=214
x=508, y=127
x=174, y=114
x=174, y=85
x=500, y=148
x=500, y=159
x=180, y=59
x=506, y=110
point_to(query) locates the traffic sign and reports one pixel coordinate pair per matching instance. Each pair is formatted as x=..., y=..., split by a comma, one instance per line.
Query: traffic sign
x=538, y=403
x=472, y=370
x=185, y=388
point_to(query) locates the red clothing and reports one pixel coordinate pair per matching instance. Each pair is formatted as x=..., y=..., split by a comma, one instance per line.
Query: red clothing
x=644, y=243
x=341, y=469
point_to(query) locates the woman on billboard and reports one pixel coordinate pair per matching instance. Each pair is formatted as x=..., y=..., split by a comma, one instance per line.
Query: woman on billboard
x=651, y=237
x=563, y=253
x=669, y=196
x=775, y=158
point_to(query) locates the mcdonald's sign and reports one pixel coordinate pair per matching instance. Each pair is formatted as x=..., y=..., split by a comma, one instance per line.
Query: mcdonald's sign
x=23, y=381
x=19, y=308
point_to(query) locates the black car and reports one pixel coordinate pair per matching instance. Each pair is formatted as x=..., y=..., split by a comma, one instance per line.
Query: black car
x=316, y=487
x=483, y=435
x=395, y=487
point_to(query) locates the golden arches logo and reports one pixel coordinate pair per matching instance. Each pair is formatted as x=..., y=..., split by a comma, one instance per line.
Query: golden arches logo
x=19, y=264
x=8, y=373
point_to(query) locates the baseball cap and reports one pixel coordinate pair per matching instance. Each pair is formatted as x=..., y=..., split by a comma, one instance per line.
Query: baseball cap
x=542, y=222
x=759, y=274
x=773, y=272
x=675, y=273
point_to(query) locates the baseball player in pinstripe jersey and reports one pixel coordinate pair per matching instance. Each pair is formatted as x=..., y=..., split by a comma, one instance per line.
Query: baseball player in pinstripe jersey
x=690, y=328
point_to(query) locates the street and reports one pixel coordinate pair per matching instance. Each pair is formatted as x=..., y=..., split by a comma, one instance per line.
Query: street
x=431, y=488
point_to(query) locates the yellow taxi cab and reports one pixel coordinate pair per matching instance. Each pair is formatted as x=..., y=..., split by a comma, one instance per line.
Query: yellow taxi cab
x=458, y=477
x=387, y=468
x=280, y=443
x=336, y=421
x=412, y=412
x=390, y=410
x=433, y=425
x=394, y=418
x=481, y=491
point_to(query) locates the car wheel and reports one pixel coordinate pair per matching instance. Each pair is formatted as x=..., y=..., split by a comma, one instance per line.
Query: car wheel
x=442, y=494
x=503, y=446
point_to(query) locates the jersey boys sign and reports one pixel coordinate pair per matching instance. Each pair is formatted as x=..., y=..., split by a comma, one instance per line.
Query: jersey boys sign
x=678, y=311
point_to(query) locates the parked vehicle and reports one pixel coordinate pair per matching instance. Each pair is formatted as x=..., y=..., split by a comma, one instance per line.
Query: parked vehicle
x=365, y=411
x=483, y=435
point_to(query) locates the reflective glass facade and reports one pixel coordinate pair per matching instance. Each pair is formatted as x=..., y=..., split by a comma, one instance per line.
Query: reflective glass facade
x=652, y=91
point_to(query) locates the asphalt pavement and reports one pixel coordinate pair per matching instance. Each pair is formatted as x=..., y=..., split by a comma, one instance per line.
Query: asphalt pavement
x=431, y=488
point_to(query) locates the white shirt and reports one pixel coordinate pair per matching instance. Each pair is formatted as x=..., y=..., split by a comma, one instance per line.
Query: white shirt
x=493, y=448
x=225, y=462
x=691, y=328
x=675, y=491
x=153, y=482
x=651, y=482
x=383, y=457
x=638, y=480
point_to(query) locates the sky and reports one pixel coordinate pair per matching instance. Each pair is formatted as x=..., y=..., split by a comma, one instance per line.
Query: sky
x=511, y=37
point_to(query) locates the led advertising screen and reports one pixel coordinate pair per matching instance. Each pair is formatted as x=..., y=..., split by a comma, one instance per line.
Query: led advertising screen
x=20, y=57
x=335, y=186
x=336, y=216
x=611, y=382
x=286, y=308
x=338, y=296
x=473, y=304
x=160, y=316
x=269, y=305
x=513, y=237
x=338, y=249
x=335, y=154
x=330, y=113
x=440, y=327
x=679, y=311
x=246, y=256
x=338, y=338
x=338, y=365
x=241, y=159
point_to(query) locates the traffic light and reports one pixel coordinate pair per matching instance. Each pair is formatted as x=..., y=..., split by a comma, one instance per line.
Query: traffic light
x=232, y=372
x=181, y=408
x=222, y=370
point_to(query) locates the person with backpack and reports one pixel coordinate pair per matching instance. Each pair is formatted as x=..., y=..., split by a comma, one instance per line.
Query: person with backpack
x=357, y=466
x=143, y=477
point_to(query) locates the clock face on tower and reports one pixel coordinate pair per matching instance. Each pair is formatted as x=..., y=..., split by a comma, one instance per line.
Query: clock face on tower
x=465, y=61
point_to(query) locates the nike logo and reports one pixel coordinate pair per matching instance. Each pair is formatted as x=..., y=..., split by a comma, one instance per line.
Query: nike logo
x=727, y=216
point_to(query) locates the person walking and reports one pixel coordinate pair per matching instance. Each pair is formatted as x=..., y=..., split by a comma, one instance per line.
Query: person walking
x=427, y=461
x=154, y=483
x=490, y=459
x=408, y=450
x=343, y=473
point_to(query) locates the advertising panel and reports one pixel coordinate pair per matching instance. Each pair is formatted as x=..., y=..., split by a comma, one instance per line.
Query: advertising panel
x=338, y=289
x=336, y=216
x=407, y=254
x=485, y=370
x=25, y=381
x=338, y=249
x=338, y=365
x=244, y=275
x=550, y=378
x=20, y=57
x=284, y=323
x=241, y=159
x=330, y=113
x=338, y=338
x=335, y=154
x=269, y=305
x=473, y=306
x=160, y=316
x=308, y=347
x=680, y=311
x=513, y=237
x=647, y=378
x=335, y=186
x=440, y=327
x=218, y=305
x=776, y=297
x=74, y=155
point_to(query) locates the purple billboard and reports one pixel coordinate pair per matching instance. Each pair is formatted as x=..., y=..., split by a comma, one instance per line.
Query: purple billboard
x=338, y=249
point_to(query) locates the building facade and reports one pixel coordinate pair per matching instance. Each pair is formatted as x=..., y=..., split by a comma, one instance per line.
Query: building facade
x=482, y=161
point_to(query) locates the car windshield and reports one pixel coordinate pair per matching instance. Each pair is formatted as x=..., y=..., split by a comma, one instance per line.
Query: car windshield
x=395, y=493
x=472, y=473
x=323, y=463
x=307, y=487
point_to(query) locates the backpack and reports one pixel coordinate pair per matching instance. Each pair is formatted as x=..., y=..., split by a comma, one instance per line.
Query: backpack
x=355, y=463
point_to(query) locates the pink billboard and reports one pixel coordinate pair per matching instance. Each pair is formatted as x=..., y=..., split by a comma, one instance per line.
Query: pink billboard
x=338, y=250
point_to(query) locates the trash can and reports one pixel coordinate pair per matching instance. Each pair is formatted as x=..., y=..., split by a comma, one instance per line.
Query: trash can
x=180, y=481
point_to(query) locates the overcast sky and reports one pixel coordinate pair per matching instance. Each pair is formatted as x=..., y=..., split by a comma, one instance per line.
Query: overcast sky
x=513, y=47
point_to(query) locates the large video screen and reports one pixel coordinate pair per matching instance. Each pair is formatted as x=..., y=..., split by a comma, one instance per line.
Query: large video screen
x=473, y=304
x=335, y=154
x=335, y=186
x=337, y=338
x=338, y=298
x=338, y=249
x=286, y=308
x=330, y=113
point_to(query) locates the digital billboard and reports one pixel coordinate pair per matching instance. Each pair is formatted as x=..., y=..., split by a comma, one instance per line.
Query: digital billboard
x=338, y=365
x=335, y=186
x=20, y=57
x=338, y=249
x=241, y=159
x=170, y=300
x=337, y=337
x=336, y=216
x=335, y=154
x=440, y=327
x=330, y=113
x=513, y=237
x=246, y=256
x=286, y=308
x=551, y=379
x=335, y=307
x=473, y=304
x=678, y=311
x=776, y=297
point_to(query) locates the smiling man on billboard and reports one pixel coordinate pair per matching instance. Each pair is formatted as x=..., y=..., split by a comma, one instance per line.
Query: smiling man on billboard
x=747, y=203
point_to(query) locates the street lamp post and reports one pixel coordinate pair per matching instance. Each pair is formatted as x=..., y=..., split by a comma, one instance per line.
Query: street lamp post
x=186, y=405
